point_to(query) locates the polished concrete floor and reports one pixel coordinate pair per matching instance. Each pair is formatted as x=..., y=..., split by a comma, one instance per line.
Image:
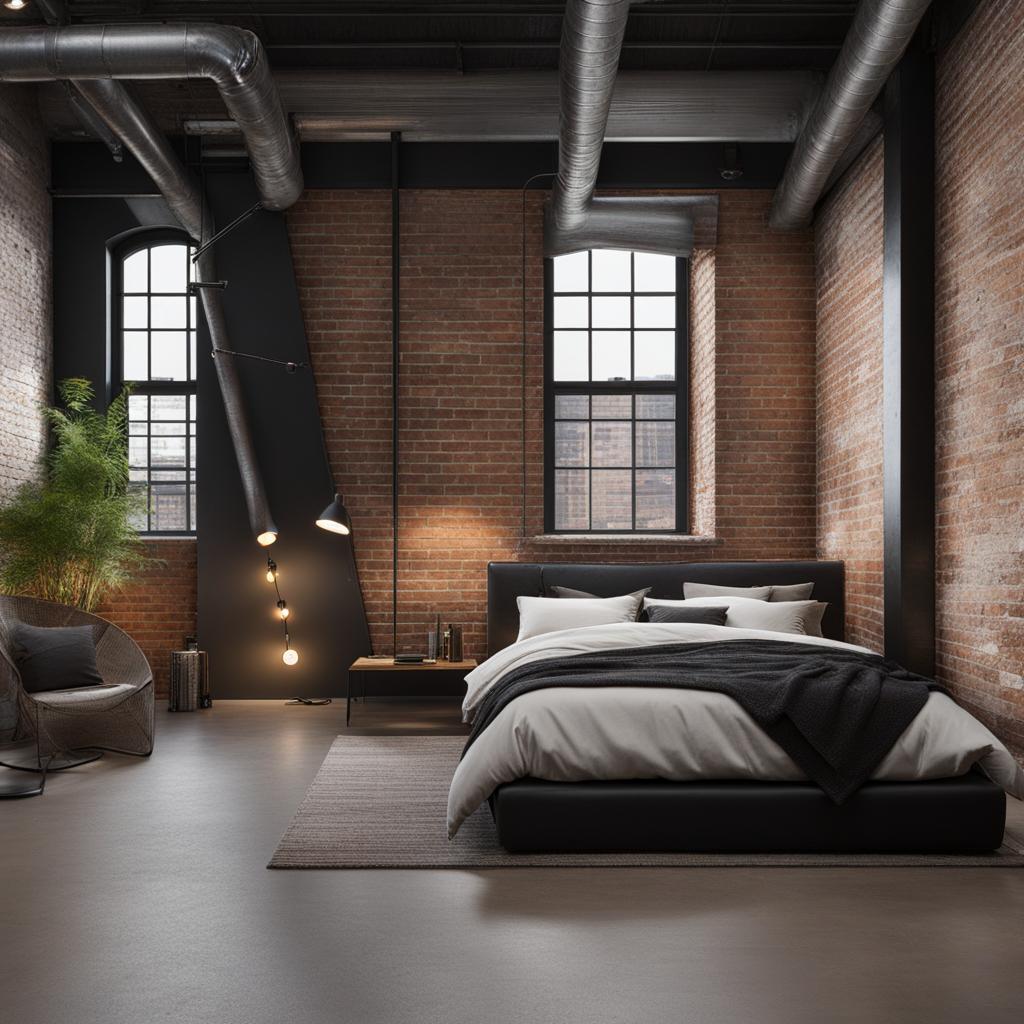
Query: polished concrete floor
x=136, y=891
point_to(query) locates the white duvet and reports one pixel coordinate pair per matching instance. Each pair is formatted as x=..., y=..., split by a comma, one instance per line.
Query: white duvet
x=580, y=734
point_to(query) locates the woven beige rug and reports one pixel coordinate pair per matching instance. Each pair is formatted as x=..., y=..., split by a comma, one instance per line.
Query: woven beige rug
x=379, y=802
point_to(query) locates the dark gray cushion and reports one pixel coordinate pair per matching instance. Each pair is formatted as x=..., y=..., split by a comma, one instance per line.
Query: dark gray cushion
x=55, y=657
x=675, y=613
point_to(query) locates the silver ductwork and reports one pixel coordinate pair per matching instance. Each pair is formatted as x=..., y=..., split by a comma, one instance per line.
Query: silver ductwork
x=592, y=33
x=91, y=62
x=878, y=37
x=232, y=58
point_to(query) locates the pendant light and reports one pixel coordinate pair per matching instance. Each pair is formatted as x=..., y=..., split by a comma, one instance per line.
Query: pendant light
x=335, y=518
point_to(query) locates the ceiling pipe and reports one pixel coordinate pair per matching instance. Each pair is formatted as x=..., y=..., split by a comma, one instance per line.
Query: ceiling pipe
x=21, y=60
x=879, y=35
x=232, y=58
x=592, y=34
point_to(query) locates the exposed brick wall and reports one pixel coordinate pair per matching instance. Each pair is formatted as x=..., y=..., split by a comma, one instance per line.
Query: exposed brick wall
x=848, y=235
x=702, y=392
x=25, y=312
x=980, y=366
x=158, y=610
x=461, y=466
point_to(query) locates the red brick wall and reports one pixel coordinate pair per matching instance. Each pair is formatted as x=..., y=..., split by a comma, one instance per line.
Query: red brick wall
x=848, y=238
x=159, y=609
x=25, y=304
x=461, y=465
x=980, y=366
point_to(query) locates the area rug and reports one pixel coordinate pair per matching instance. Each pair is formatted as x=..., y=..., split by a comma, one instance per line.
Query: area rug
x=379, y=802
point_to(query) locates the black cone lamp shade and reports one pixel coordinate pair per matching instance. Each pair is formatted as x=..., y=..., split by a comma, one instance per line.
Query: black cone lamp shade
x=335, y=518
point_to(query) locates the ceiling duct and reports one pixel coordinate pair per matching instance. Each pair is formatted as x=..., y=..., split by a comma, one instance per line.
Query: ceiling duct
x=91, y=58
x=878, y=37
x=592, y=33
x=232, y=58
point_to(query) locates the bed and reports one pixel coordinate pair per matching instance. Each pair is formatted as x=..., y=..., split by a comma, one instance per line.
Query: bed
x=687, y=771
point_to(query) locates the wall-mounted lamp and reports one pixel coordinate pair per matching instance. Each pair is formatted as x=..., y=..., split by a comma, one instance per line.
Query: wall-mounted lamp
x=335, y=517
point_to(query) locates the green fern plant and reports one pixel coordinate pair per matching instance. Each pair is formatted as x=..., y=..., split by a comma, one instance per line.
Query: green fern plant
x=70, y=538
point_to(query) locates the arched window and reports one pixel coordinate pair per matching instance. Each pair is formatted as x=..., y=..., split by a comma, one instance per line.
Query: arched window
x=155, y=352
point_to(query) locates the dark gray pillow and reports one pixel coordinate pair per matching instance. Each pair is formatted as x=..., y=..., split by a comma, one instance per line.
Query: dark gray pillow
x=55, y=657
x=674, y=613
x=553, y=591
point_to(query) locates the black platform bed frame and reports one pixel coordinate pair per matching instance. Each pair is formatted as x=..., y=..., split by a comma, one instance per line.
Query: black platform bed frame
x=959, y=815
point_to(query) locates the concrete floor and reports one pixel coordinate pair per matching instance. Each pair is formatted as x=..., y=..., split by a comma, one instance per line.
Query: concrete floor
x=136, y=891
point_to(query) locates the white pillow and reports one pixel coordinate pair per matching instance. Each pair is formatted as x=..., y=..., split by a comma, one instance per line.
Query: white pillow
x=539, y=615
x=800, y=617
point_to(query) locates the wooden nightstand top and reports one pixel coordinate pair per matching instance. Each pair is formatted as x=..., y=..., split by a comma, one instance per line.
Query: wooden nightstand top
x=387, y=665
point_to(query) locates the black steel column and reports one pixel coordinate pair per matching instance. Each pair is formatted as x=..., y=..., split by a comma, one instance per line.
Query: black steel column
x=909, y=363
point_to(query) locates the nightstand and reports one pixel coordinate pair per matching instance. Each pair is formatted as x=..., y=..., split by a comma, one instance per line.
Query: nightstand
x=358, y=669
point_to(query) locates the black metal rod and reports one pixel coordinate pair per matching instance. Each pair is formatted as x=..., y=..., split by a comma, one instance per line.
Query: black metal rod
x=287, y=363
x=396, y=142
x=213, y=239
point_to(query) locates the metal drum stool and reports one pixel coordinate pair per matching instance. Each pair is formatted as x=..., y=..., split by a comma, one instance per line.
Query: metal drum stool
x=190, y=681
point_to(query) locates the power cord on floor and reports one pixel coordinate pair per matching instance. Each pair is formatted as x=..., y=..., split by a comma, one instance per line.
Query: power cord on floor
x=313, y=702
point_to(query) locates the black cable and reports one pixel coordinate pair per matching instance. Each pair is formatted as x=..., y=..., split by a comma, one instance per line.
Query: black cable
x=526, y=185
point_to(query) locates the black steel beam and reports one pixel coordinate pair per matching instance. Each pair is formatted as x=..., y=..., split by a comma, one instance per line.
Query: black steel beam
x=909, y=363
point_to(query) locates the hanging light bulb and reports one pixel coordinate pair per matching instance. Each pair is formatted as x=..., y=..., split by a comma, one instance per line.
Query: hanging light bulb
x=290, y=656
x=282, y=607
x=271, y=570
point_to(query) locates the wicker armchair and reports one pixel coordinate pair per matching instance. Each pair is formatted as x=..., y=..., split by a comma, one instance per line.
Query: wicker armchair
x=117, y=716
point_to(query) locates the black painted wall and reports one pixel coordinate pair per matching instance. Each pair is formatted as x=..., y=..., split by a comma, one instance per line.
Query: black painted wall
x=238, y=621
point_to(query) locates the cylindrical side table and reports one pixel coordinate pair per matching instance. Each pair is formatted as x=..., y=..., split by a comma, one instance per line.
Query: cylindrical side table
x=190, y=681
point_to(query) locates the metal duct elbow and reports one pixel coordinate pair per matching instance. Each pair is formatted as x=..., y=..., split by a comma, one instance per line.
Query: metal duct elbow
x=232, y=58
x=878, y=37
x=592, y=33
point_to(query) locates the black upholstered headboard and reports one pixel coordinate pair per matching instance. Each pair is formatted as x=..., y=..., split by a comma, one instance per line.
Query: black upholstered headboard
x=508, y=580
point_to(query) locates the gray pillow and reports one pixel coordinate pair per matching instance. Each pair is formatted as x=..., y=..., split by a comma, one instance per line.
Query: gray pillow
x=712, y=616
x=792, y=592
x=800, y=617
x=55, y=657
x=713, y=590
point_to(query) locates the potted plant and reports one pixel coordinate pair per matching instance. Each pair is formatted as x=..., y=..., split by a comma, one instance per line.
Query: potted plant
x=70, y=536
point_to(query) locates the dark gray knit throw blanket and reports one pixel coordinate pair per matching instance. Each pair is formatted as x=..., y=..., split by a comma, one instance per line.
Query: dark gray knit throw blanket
x=836, y=712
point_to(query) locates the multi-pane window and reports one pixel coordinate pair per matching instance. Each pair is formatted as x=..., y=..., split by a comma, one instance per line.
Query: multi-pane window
x=614, y=393
x=157, y=355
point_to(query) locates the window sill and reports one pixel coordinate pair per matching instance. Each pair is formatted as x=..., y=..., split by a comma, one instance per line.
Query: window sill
x=156, y=538
x=642, y=539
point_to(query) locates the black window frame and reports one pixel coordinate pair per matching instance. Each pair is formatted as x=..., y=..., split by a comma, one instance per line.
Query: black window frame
x=679, y=388
x=188, y=388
